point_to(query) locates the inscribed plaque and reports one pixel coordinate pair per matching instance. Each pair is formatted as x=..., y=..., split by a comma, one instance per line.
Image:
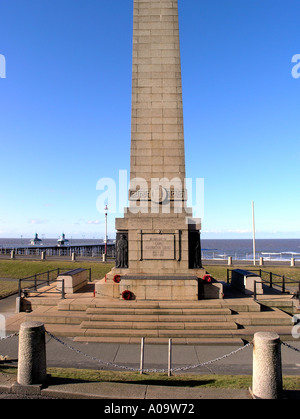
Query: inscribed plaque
x=158, y=246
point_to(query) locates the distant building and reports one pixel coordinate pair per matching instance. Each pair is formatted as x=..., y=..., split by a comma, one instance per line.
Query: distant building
x=63, y=241
x=36, y=241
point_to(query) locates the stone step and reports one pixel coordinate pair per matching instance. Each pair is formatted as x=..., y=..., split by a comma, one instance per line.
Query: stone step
x=208, y=304
x=237, y=305
x=68, y=330
x=78, y=304
x=159, y=318
x=161, y=341
x=277, y=303
x=53, y=316
x=170, y=312
x=74, y=305
x=275, y=317
x=247, y=333
x=203, y=337
x=158, y=325
x=42, y=301
x=168, y=333
x=88, y=319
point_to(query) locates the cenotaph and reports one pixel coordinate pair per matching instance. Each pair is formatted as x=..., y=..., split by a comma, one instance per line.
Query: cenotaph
x=158, y=242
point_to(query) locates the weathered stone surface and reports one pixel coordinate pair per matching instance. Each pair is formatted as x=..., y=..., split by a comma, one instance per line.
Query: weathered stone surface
x=156, y=93
x=74, y=280
x=32, y=354
x=267, y=369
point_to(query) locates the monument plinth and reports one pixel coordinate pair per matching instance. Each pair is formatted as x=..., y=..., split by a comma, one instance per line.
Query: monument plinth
x=158, y=243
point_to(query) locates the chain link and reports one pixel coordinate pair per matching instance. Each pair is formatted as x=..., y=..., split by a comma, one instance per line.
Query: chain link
x=9, y=336
x=204, y=364
x=111, y=364
x=290, y=346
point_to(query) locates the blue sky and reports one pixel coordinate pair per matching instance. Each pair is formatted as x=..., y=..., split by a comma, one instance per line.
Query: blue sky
x=66, y=100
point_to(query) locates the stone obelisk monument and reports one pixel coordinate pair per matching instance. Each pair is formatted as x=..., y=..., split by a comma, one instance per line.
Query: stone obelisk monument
x=158, y=243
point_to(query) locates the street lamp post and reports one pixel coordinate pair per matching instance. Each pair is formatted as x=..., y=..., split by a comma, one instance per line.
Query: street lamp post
x=253, y=223
x=105, y=252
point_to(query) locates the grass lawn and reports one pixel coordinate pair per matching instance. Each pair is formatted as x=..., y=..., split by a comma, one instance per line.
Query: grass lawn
x=8, y=288
x=178, y=380
x=160, y=379
x=23, y=268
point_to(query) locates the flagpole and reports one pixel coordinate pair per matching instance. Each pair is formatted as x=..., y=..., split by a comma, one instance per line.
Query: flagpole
x=253, y=222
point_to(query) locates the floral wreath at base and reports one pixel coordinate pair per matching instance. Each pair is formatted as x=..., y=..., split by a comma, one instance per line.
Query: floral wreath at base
x=207, y=278
x=117, y=279
x=127, y=295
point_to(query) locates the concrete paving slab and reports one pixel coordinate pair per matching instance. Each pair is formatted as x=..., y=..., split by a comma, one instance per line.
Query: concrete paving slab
x=183, y=393
x=6, y=382
x=241, y=360
x=96, y=390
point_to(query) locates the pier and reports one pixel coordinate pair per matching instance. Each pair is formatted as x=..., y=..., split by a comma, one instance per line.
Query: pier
x=83, y=250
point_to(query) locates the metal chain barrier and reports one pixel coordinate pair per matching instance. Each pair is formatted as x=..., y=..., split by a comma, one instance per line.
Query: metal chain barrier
x=86, y=355
x=204, y=364
x=9, y=336
x=290, y=346
x=111, y=364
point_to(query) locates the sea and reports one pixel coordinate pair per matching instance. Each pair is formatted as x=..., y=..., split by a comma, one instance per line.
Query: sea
x=269, y=249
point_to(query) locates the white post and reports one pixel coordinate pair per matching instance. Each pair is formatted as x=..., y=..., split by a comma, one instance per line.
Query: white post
x=253, y=222
x=106, y=209
x=142, y=355
x=170, y=358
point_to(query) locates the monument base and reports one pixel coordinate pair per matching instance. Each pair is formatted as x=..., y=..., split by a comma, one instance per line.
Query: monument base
x=158, y=258
x=158, y=288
